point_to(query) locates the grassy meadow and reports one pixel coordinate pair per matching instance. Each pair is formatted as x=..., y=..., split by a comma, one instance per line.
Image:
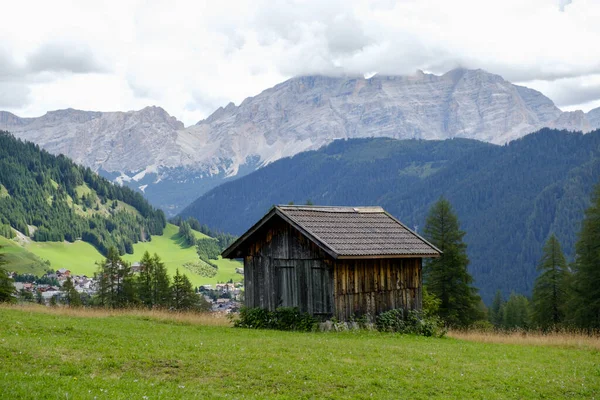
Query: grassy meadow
x=86, y=354
x=19, y=259
x=81, y=257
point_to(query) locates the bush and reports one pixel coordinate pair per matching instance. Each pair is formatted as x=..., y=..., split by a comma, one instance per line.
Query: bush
x=411, y=321
x=283, y=319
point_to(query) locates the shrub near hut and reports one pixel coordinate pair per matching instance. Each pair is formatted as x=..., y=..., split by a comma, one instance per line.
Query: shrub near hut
x=283, y=319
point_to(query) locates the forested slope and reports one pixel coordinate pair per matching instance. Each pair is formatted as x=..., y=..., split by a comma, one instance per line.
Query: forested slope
x=508, y=198
x=52, y=199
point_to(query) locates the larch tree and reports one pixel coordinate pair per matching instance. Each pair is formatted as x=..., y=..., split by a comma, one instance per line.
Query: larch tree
x=161, y=283
x=550, y=291
x=145, y=280
x=115, y=282
x=517, y=312
x=447, y=277
x=153, y=282
x=183, y=296
x=496, y=311
x=585, y=302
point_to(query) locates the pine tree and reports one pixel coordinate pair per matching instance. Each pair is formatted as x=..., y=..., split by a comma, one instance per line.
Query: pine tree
x=71, y=296
x=183, y=296
x=153, y=282
x=145, y=280
x=550, y=288
x=447, y=277
x=115, y=281
x=497, y=310
x=6, y=283
x=585, y=304
x=516, y=312
x=161, y=283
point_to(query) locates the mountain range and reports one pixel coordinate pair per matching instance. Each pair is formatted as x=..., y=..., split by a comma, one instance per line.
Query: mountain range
x=153, y=152
x=508, y=198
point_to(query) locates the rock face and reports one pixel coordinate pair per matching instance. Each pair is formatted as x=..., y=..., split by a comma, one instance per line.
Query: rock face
x=149, y=149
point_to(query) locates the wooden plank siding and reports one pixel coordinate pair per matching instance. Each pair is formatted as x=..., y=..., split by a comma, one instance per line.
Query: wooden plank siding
x=374, y=286
x=283, y=268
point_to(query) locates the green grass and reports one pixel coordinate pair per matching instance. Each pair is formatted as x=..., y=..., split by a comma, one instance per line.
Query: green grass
x=19, y=259
x=47, y=355
x=78, y=257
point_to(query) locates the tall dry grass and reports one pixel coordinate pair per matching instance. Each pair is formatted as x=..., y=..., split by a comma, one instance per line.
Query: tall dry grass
x=537, y=338
x=182, y=317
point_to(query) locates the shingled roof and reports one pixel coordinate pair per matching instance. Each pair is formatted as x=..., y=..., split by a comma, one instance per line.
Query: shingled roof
x=348, y=232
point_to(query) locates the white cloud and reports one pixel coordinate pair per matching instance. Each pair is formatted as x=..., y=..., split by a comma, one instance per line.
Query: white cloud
x=192, y=56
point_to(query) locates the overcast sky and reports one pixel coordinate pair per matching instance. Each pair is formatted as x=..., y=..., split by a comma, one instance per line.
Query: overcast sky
x=191, y=57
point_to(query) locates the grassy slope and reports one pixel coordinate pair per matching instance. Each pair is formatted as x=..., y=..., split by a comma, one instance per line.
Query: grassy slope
x=80, y=257
x=19, y=259
x=174, y=254
x=126, y=357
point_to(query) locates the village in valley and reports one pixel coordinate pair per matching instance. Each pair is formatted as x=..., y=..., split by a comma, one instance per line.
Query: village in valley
x=48, y=289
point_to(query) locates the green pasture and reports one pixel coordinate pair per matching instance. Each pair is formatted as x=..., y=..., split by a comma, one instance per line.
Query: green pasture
x=52, y=356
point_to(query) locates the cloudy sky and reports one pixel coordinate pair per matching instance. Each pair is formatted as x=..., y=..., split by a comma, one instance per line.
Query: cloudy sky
x=191, y=57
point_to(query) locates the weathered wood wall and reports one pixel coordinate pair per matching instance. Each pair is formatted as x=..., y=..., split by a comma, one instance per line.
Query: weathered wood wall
x=282, y=268
x=372, y=286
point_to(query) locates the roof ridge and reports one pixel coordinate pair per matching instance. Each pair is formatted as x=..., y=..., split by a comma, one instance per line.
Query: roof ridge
x=339, y=209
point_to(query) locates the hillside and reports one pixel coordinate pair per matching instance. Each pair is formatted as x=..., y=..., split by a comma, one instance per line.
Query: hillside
x=81, y=257
x=21, y=260
x=49, y=198
x=508, y=198
x=151, y=151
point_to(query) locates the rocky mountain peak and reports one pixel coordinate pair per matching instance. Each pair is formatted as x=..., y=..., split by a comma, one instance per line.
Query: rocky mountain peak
x=302, y=113
x=159, y=115
x=69, y=115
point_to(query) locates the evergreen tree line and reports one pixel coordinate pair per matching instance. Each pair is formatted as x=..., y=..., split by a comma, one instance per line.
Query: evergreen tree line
x=118, y=287
x=41, y=190
x=564, y=296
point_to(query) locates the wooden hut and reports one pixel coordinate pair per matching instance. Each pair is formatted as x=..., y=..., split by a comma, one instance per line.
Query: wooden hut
x=332, y=261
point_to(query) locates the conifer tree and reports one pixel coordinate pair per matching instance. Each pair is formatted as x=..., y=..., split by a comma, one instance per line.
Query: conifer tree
x=550, y=288
x=71, y=295
x=115, y=282
x=145, y=280
x=516, y=312
x=496, y=312
x=585, y=303
x=153, y=282
x=183, y=296
x=161, y=283
x=447, y=277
